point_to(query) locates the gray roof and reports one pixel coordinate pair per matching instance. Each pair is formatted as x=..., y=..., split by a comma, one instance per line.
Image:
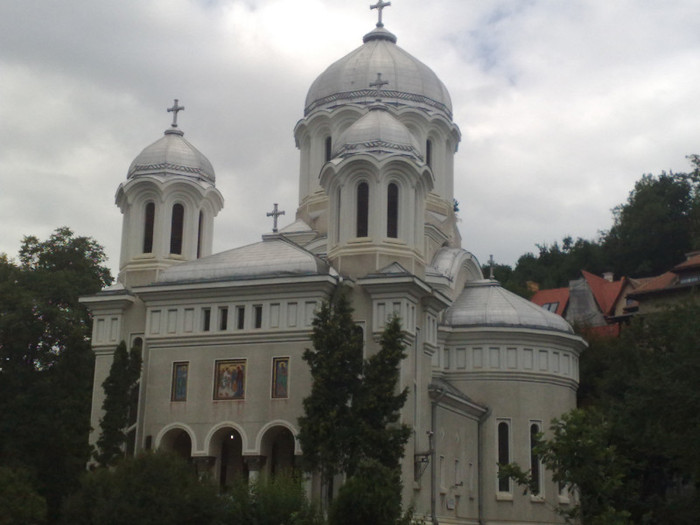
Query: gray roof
x=273, y=257
x=172, y=155
x=378, y=131
x=410, y=81
x=485, y=303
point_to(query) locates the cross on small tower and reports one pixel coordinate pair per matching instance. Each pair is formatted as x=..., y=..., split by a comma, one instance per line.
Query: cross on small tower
x=379, y=6
x=274, y=214
x=379, y=84
x=174, y=110
x=491, y=262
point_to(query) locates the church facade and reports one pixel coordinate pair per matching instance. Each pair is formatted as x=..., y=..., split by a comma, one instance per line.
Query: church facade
x=222, y=335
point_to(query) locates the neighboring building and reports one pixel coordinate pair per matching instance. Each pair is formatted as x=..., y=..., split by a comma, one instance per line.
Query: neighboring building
x=596, y=304
x=669, y=288
x=223, y=335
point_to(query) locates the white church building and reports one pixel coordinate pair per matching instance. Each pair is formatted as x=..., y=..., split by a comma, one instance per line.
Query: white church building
x=223, y=334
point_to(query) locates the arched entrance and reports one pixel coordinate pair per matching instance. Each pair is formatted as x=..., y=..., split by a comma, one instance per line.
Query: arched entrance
x=278, y=446
x=177, y=441
x=227, y=445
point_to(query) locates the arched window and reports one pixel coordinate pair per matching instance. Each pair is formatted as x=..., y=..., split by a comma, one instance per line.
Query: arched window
x=429, y=152
x=503, y=453
x=148, y=222
x=392, y=211
x=176, y=227
x=329, y=149
x=199, y=234
x=535, y=459
x=363, y=209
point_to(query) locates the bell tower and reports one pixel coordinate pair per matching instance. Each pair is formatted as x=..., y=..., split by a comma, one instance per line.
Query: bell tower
x=168, y=202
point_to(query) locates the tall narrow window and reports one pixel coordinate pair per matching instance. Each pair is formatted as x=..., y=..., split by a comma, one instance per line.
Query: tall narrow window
x=206, y=319
x=362, y=209
x=429, y=152
x=240, y=317
x=176, y=226
x=148, y=222
x=535, y=470
x=199, y=234
x=257, y=309
x=223, y=318
x=329, y=149
x=503, y=453
x=392, y=211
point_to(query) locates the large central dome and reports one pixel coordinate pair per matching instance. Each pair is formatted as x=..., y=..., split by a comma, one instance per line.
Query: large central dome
x=410, y=81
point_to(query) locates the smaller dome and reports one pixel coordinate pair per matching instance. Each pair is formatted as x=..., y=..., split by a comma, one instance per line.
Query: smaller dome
x=172, y=155
x=485, y=303
x=377, y=131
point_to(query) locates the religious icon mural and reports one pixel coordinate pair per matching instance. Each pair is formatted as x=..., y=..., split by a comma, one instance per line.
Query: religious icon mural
x=179, y=386
x=229, y=381
x=280, y=377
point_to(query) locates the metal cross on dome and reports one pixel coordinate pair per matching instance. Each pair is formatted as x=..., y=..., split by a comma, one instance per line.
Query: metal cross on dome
x=274, y=214
x=174, y=111
x=379, y=6
x=379, y=84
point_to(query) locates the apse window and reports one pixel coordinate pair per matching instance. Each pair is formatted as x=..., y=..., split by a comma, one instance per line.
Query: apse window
x=362, y=209
x=503, y=451
x=176, y=227
x=149, y=220
x=179, y=382
x=535, y=463
x=392, y=211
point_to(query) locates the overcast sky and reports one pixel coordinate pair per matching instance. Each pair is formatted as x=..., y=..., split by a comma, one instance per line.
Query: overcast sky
x=562, y=105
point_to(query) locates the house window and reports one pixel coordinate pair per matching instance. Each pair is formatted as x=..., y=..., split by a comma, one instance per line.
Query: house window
x=206, y=319
x=280, y=377
x=329, y=149
x=240, y=317
x=179, y=382
x=258, y=315
x=503, y=453
x=392, y=211
x=149, y=220
x=551, y=307
x=176, y=227
x=535, y=466
x=362, y=209
x=223, y=318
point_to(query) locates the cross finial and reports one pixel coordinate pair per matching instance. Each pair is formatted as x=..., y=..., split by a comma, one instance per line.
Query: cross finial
x=274, y=214
x=491, y=262
x=379, y=6
x=174, y=111
x=379, y=84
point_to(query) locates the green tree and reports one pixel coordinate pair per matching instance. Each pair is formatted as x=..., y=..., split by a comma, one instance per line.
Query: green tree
x=328, y=429
x=651, y=232
x=119, y=388
x=19, y=501
x=379, y=402
x=153, y=488
x=46, y=363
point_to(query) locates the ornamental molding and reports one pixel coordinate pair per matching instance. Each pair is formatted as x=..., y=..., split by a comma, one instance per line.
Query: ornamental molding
x=371, y=93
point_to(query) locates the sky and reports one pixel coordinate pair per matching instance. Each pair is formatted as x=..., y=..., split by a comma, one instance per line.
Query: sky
x=562, y=105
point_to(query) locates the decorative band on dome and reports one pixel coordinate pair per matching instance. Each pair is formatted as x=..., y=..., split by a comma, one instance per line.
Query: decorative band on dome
x=386, y=94
x=165, y=166
x=378, y=145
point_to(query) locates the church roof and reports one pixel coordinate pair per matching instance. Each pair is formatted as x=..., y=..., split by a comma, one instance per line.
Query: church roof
x=484, y=303
x=410, y=82
x=272, y=257
x=172, y=155
x=377, y=131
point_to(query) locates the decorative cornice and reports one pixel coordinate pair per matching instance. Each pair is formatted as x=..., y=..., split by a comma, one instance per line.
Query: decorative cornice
x=370, y=93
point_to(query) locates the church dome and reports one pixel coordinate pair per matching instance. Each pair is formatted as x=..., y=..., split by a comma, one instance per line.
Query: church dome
x=378, y=131
x=172, y=155
x=410, y=82
x=484, y=303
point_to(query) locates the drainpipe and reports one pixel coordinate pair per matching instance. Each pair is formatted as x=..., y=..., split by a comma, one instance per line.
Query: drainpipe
x=433, y=467
x=479, y=463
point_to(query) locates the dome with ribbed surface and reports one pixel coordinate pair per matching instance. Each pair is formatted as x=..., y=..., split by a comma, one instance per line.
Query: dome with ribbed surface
x=485, y=303
x=172, y=155
x=378, y=131
x=410, y=82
